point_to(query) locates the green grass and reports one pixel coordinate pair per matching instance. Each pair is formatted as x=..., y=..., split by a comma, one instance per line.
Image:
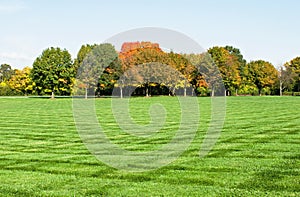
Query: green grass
x=258, y=153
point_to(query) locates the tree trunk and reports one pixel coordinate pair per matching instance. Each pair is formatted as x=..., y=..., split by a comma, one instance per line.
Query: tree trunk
x=121, y=92
x=173, y=91
x=52, y=95
x=280, y=88
x=86, y=93
x=236, y=92
x=213, y=92
x=184, y=93
x=259, y=91
x=147, y=91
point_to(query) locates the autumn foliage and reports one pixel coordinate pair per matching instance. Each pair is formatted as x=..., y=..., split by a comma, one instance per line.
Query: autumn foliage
x=155, y=72
x=138, y=53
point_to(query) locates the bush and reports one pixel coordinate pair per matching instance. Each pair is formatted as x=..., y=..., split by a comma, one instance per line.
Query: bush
x=291, y=93
x=296, y=94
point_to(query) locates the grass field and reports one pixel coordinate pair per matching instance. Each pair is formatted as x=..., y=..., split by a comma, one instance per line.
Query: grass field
x=258, y=153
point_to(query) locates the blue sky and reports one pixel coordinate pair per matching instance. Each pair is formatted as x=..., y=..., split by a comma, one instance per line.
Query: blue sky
x=261, y=29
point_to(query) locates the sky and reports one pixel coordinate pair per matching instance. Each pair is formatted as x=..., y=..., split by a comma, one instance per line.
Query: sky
x=261, y=29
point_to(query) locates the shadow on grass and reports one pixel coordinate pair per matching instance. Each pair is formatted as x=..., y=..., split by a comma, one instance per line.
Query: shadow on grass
x=272, y=179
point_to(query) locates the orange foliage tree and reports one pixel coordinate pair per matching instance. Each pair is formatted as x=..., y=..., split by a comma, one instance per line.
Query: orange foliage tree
x=179, y=74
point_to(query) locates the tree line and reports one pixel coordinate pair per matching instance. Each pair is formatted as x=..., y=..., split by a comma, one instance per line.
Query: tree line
x=143, y=68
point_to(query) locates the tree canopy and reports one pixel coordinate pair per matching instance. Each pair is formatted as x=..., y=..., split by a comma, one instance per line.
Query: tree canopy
x=53, y=72
x=263, y=74
x=294, y=67
x=145, y=67
x=229, y=65
x=21, y=82
x=96, y=61
x=5, y=72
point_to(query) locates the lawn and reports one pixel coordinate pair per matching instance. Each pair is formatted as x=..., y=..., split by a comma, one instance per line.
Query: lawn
x=257, y=154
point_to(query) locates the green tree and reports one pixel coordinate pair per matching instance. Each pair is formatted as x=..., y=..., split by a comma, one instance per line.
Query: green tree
x=248, y=87
x=109, y=78
x=294, y=65
x=228, y=65
x=263, y=74
x=207, y=77
x=82, y=54
x=53, y=72
x=286, y=78
x=237, y=53
x=242, y=66
x=94, y=64
x=5, y=72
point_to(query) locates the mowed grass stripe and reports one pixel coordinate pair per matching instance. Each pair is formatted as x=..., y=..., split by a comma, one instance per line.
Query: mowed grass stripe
x=257, y=154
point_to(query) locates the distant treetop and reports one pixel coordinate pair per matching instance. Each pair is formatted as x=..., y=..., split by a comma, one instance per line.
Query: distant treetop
x=129, y=46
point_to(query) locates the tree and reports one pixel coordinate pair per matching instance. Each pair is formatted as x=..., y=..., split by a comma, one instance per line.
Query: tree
x=286, y=78
x=5, y=72
x=228, y=65
x=21, y=82
x=294, y=66
x=94, y=64
x=109, y=78
x=140, y=53
x=5, y=90
x=263, y=74
x=78, y=61
x=237, y=53
x=82, y=54
x=138, y=59
x=242, y=65
x=53, y=72
x=205, y=75
x=173, y=70
x=181, y=63
x=248, y=86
